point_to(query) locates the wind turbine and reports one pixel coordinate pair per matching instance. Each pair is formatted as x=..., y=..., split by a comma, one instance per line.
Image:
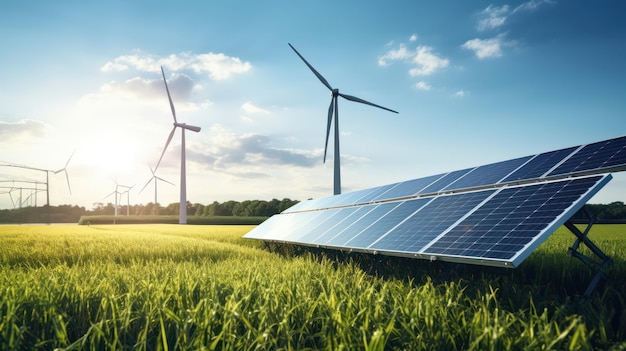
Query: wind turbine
x=9, y=191
x=64, y=169
x=127, y=192
x=334, y=106
x=156, y=180
x=117, y=192
x=182, y=219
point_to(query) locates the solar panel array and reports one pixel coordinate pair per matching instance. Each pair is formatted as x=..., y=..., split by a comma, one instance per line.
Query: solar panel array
x=495, y=214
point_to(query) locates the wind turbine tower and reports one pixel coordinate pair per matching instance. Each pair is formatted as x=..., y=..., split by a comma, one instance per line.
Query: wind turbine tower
x=333, y=109
x=182, y=219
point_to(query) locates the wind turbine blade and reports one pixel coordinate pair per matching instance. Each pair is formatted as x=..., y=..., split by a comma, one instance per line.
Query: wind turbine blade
x=151, y=179
x=67, y=177
x=319, y=76
x=68, y=160
x=356, y=99
x=12, y=201
x=330, y=120
x=165, y=148
x=66, y=163
x=167, y=181
x=168, y=96
x=190, y=127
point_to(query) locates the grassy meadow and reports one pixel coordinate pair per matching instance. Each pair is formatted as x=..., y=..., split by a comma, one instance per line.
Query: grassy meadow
x=172, y=287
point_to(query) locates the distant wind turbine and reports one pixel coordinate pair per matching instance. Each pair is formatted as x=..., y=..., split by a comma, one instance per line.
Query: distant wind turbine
x=64, y=169
x=127, y=192
x=182, y=219
x=156, y=180
x=117, y=192
x=334, y=106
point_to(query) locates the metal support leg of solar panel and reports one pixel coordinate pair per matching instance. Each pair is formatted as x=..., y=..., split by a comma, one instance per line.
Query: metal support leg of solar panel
x=581, y=237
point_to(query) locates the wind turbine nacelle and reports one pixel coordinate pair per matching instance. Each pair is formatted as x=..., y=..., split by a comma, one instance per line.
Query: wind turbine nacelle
x=187, y=126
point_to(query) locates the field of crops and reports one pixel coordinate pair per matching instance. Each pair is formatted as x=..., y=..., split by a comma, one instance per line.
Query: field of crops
x=171, y=287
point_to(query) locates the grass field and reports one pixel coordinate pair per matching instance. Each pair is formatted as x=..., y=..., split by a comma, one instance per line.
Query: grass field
x=171, y=287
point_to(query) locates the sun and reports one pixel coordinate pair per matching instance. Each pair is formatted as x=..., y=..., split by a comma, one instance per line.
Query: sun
x=114, y=157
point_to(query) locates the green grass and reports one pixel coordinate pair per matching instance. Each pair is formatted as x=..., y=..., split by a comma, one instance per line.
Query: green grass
x=171, y=219
x=171, y=287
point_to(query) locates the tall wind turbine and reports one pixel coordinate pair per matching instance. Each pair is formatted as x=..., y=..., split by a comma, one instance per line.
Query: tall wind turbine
x=335, y=108
x=182, y=219
x=156, y=180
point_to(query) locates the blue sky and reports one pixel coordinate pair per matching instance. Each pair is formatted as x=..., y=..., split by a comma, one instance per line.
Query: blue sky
x=474, y=82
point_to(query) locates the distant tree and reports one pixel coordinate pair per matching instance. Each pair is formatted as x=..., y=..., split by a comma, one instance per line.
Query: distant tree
x=199, y=210
x=171, y=209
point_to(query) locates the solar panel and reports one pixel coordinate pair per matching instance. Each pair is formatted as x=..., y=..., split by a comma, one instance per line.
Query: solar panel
x=408, y=188
x=488, y=174
x=597, y=156
x=397, y=213
x=495, y=214
x=490, y=227
x=539, y=165
x=418, y=230
x=511, y=224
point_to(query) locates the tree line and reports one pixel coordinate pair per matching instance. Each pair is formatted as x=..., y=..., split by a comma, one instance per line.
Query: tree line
x=613, y=212
x=71, y=214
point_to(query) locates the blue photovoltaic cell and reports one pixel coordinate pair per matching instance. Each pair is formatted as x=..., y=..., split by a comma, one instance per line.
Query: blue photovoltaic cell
x=408, y=188
x=429, y=222
x=373, y=213
x=350, y=198
x=376, y=193
x=444, y=181
x=261, y=231
x=330, y=218
x=488, y=174
x=511, y=220
x=539, y=165
x=352, y=214
x=387, y=221
x=296, y=223
x=596, y=156
x=307, y=205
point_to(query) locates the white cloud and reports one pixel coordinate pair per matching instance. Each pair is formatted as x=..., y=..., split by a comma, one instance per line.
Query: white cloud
x=425, y=61
x=218, y=66
x=413, y=37
x=248, y=155
x=422, y=85
x=250, y=108
x=493, y=17
x=459, y=94
x=17, y=131
x=401, y=54
x=486, y=48
x=531, y=5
